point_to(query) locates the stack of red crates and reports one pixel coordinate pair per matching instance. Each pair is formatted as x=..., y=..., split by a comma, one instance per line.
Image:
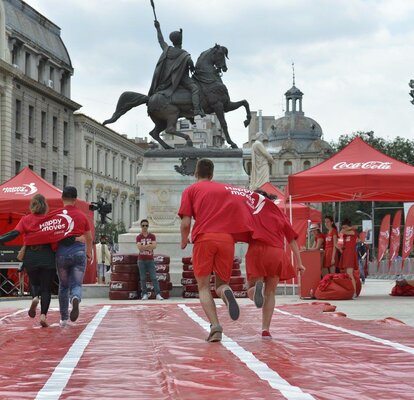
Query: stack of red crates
x=190, y=289
x=125, y=284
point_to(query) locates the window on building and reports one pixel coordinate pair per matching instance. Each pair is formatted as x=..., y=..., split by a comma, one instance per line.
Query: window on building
x=31, y=122
x=51, y=74
x=15, y=55
x=17, y=166
x=306, y=164
x=41, y=71
x=30, y=166
x=87, y=158
x=54, y=134
x=131, y=216
x=184, y=124
x=287, y=168
x=98, y=161
x=65, y=138
x=114, y=209
x=43, y=173
x=131, y=174
x=54, y=178
x=122, y=211
x=106, y=163
x=27, y=63
x=18, y=116
x=122, y=170
x=65, y=180
x=43, y=128
x=114, y=167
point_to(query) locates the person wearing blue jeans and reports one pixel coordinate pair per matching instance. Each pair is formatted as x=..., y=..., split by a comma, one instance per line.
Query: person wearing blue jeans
x=71, y=258
x=146, y=243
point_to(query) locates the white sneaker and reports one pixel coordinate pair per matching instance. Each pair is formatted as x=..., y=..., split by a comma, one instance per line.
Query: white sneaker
x=144, y=297
x=63, y=323
x=159, y=297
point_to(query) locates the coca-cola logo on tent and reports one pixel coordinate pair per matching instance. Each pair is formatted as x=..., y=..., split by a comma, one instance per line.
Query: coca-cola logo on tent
x=364, y=165
x=26, y=189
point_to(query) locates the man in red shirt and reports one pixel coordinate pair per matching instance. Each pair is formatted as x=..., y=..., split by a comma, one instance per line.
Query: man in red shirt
x=217, y=217
x=72, y=256
x=146, y=243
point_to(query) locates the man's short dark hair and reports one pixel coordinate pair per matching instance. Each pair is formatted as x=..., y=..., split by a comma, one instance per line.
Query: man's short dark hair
x=204, y=169
x=70, y=193
x=144, y=220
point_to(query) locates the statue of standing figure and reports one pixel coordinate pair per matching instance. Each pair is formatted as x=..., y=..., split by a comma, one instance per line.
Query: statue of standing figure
x=172, y=70
x=261, y=162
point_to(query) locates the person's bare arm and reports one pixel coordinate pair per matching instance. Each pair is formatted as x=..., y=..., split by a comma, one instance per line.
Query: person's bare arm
x=296, y=253
x=335, y=242
x=161, y=40
x=89, y=244
x=151, y=246
x=185, y=231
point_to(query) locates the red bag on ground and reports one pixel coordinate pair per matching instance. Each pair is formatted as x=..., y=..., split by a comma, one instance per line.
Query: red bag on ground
x=406, y=290
x=335, y=287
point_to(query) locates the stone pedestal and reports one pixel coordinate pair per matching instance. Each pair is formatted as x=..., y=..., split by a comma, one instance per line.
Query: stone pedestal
x=162, y=179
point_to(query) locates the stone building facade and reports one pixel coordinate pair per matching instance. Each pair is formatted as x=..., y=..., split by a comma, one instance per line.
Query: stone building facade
x=205, y=133
x=294, y=141
x=36, y=112
x=106, y=166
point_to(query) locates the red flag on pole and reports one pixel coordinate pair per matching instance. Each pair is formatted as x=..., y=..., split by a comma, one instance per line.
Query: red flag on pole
x=384, y=236
x=395, y=237
x=408, y=234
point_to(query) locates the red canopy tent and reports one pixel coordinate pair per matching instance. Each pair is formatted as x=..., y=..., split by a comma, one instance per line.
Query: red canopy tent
x=301, y=213
x=15, y=196
x=357, y=173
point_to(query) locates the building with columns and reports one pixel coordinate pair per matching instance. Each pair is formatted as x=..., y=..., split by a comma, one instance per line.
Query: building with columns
x=294, y=141
x=36, y=112
x=106, y=166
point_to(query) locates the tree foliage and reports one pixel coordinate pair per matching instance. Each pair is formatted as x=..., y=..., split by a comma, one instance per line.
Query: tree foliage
x=110, y=229
x=400, y=148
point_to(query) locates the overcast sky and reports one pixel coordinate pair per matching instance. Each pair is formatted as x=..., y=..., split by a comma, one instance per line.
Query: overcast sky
x=353, y=58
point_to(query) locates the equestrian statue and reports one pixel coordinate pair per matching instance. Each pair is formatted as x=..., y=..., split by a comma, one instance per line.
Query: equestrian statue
x=173, y=94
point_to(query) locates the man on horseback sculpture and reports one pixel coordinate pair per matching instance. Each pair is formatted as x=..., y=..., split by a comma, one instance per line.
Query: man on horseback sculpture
x=172, y=70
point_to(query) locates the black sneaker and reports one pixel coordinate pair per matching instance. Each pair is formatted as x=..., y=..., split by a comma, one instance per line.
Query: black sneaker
x=258, y=294
x=230, y=300
x=74, y=314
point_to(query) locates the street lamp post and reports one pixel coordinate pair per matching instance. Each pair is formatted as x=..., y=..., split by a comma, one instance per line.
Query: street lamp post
x=371, y=217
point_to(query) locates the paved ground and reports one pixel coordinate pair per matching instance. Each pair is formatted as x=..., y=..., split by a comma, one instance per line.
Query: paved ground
x=374, y=303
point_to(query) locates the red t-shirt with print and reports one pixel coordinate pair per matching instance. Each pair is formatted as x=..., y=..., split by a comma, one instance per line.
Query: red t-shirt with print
x=144, y=240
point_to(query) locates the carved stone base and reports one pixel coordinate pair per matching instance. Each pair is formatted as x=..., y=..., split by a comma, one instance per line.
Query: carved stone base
x=162, y=179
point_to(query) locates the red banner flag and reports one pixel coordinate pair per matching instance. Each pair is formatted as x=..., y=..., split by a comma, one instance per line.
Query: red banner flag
x=384, y=236
x=395, y=236
x=408, y=234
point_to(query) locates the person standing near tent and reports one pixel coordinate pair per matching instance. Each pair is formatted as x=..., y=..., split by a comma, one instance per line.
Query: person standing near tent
x=349, y=258
x=331, y=240
x=38, y=260
x=266, y=263
x=71, y=258
x=318, y=237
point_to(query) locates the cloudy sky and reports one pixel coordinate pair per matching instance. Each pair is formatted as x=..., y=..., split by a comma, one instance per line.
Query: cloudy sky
x=353, y=58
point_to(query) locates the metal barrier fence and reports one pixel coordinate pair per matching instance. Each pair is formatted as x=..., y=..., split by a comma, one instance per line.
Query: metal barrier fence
x=385, y=271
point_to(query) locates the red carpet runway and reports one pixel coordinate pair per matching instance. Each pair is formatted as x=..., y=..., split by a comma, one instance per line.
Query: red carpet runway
x=159, y=352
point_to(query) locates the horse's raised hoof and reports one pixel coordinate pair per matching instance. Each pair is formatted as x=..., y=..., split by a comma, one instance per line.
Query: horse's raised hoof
x=233, y=145
x=246, y=123
x=189, y=143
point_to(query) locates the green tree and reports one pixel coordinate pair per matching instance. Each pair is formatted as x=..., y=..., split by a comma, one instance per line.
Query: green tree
x=110, y=229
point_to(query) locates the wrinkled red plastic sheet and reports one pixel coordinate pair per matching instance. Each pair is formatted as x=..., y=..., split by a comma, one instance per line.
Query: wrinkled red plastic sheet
x=159, y=352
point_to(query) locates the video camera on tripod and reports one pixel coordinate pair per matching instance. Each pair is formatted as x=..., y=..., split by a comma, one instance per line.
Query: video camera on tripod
x=103, y=207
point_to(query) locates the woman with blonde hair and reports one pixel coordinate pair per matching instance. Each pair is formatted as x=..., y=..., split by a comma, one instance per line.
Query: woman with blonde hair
x=38, y=260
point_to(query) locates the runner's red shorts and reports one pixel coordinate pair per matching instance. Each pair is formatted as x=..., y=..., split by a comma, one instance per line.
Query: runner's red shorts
x=263, y=260
x=213, y=252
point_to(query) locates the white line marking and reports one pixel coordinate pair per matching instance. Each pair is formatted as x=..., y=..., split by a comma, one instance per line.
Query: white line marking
x=54, y=386
x=15, y=313
x=261, y=369
x=385, y=342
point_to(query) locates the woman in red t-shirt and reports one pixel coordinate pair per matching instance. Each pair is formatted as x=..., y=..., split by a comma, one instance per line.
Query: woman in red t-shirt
x=38, y=261
x=349, y=258
x=331, y=240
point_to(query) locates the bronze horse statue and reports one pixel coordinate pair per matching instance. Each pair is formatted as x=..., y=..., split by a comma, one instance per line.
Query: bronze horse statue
x=165, y=111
